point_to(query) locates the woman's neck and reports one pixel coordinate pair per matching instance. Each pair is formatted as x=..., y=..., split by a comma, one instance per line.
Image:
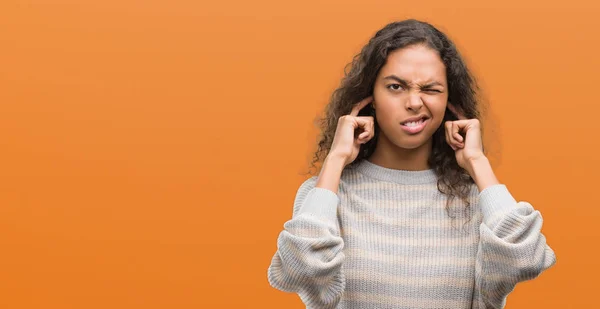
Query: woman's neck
x=390, y=156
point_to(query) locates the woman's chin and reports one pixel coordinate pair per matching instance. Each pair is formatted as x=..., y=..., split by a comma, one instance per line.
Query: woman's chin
x=409, y=146
x=406, y=141
x=410, y=142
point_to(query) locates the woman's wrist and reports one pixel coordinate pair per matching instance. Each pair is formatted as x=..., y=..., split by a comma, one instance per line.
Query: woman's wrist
x=331, y=172
x=482, y=173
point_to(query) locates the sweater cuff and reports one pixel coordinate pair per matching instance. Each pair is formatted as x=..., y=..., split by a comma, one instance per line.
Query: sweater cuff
x=320, y=202
x=495, y=201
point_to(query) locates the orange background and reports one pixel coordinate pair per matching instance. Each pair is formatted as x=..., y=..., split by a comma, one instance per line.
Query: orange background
x=151, y=150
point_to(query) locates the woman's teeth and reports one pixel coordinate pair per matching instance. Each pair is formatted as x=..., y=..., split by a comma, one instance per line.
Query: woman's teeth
x=414, y=123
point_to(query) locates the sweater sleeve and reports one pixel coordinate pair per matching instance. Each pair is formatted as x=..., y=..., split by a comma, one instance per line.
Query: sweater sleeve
x=511, y=247
x=309, y=253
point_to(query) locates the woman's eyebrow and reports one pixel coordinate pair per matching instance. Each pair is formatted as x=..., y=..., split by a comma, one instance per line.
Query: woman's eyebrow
x=405, y=83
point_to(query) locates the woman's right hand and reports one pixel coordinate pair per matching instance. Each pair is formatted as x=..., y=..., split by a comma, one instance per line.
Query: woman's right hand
x=347, y=140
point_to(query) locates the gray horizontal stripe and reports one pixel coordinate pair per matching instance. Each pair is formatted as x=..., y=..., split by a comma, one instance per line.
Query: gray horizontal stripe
x=419, y=218
x=421, y=238
x=415, y=251
x=356, y=303
x=384, y=301
x=360, y=276
x=412, y=262
x=403, y=207
x=459, y=270
x=449, y=291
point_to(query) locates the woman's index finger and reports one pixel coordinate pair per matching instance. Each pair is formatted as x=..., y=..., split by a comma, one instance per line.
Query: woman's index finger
x=360, y=105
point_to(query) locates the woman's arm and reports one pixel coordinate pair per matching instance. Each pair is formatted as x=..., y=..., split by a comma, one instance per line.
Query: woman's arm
x=511, y=248
x=309, y=253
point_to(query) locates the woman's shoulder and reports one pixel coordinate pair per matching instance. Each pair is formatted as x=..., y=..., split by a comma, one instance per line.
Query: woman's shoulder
x=308, y=184
x=349, y=175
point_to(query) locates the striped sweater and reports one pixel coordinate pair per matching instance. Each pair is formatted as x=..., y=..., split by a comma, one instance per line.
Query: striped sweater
x=386, y=240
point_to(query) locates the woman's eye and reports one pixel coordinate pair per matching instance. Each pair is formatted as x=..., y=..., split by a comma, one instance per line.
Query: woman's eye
x=397, y=86
x=432, y=90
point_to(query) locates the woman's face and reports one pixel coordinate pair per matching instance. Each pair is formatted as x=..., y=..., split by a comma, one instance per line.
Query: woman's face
x=411, y=85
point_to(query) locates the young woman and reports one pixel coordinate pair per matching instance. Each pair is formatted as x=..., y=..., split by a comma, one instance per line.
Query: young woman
x=402, y=162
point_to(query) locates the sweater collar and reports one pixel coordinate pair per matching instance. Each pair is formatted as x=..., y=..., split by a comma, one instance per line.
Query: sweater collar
x=397, y=176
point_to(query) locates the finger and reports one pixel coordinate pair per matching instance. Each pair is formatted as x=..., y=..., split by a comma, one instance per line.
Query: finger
x=372, y=127
x=448, y=130
x=363, y=123
x=447, y=126
x=450, y=135
x=371, y=130
x=456, y=112
x=360, y=105
x=458, y=137
x=461, y=129
x=367, y=136
x=366, y=124
x=455, y=133
x=363, y=137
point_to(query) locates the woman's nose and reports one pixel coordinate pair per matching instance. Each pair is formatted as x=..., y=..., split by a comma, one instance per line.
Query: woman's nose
x=414, y=102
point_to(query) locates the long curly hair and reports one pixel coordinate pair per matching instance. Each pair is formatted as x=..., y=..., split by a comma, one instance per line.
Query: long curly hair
x=358, y=83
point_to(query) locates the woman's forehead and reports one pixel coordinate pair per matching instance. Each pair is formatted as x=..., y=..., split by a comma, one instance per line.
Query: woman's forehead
x=415, y=64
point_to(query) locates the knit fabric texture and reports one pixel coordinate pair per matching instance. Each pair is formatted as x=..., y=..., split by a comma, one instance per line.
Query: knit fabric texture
x=386, y=240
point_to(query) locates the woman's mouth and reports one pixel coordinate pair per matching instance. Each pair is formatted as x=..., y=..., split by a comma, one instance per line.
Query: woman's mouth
x=414, y=127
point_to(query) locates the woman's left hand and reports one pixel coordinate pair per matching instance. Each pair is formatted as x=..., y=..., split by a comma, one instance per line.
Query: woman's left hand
x=468, y=149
